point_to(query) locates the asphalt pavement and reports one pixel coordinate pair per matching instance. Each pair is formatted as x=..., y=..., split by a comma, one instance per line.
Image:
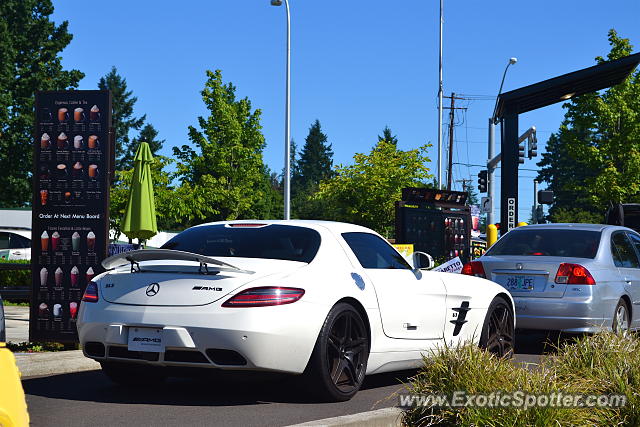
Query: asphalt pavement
x=90, y=399
x=17, y=323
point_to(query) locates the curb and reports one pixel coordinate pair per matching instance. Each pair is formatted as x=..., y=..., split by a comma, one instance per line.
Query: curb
x=53, y=363
x=387, y=417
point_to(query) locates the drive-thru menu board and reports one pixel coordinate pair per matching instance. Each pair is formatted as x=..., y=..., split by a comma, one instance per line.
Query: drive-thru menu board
x=72, y=160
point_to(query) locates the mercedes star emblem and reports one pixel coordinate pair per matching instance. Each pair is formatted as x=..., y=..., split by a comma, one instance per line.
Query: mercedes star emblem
x=152, y=289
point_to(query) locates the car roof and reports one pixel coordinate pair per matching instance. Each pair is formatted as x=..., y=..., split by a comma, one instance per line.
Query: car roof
x=336, y=227
x=574, y=226
x=24, y=232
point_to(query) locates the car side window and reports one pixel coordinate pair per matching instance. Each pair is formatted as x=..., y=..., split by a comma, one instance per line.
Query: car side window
x=4, y=240
x=623, y=253
x=16, y=241
x=635, y=241
x=374, y=252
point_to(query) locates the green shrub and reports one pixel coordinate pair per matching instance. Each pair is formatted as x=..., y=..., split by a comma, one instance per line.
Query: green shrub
x=15, y=278
x=603, y=364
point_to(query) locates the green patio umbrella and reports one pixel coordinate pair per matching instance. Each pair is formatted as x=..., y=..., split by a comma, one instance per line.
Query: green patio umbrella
x=140, y=217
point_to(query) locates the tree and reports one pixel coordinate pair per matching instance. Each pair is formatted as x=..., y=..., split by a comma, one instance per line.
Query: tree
x=365, y=193
x=147, y=134
x=122, y=103
x=388, y=136
x=316, y=158
x=225, y=171
x=594, y=158
x=30, y=46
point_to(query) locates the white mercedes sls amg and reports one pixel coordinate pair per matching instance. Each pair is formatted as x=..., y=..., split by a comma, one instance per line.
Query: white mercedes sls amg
x=331, y=301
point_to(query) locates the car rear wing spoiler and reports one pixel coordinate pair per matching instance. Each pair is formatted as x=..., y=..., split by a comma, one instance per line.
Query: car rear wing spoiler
x=134, y=257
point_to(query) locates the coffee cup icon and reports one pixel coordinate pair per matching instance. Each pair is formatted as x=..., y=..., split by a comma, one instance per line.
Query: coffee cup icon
x=44, y=172
x=73, y=309
x=45, y=141
x=93, y=142
x=57, y=310
x=94, y=113
x=44, y=275
x=78, y=115
x=63, y=114
x=43, y=310
x=93, y=171
x=55, y=241
x=77, y=169
x=44, y=241
x=62, y=170
x=62, y=141
x=58, y=276
x=77, y=142
x=44, y=195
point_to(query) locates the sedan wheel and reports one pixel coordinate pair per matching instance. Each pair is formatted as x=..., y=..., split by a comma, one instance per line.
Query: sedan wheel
x=621, y=318
x=498, y=330
x=339, y=360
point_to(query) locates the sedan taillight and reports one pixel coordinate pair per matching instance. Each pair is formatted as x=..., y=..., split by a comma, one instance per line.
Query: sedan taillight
x=574, y=274
x=474, y=268
x=264, y=296
x=91, y=293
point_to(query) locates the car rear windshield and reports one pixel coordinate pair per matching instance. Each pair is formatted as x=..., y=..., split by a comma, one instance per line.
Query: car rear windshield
x=271, y=241
x=548, y=242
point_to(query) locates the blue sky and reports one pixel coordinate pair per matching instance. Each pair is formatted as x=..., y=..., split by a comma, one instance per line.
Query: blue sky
x=357, y=65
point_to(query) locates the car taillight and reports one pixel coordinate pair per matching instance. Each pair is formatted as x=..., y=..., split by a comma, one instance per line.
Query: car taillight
x=264, y=296
x=91, y=293
x=474, y=268
x=574, y=274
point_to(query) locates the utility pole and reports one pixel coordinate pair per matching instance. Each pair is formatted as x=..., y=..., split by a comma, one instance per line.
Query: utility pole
x=451, y=124
x=440, y=89
x=465, y=187
x=534, y=215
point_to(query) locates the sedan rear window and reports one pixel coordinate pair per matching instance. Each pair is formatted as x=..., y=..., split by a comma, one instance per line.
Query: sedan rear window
x=548, y=242
x=271, y=241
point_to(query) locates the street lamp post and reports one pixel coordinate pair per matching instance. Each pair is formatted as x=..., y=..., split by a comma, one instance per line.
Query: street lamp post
x=491, y=151
x=287, y=117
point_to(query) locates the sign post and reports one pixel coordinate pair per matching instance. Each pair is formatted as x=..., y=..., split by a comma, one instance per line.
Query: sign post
x=72, y=159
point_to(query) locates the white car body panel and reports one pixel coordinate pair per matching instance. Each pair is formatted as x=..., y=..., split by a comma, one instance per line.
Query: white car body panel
x=282, y=338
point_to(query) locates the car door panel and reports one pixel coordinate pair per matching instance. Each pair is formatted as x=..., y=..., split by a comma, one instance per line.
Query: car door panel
x=412, y=304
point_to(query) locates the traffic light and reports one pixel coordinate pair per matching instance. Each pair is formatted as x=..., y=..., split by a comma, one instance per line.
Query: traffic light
x=533, y=147
x=521, y=152
x=482, y=181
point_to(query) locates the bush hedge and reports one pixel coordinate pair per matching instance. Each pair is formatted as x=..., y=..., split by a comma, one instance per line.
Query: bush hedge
x=603, y=364
x=15, y=278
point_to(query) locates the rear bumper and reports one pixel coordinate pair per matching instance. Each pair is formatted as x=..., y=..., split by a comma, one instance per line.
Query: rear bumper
x=560, y=314
x=278, y=339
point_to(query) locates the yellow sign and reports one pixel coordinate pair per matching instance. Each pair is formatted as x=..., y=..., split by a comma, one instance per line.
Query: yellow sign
x=405, y=250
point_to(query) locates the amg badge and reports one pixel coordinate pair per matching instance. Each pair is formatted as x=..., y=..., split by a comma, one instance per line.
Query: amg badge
x=205, y=288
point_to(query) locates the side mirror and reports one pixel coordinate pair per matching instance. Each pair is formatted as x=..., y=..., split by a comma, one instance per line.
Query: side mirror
x=422, y=261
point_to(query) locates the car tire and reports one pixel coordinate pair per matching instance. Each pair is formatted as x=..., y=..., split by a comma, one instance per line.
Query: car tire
x=133, y=375
x=338, y=362
x=498, y=332
x=621, y=317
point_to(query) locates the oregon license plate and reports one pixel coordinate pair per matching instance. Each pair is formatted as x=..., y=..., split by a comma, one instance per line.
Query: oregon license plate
x=146, y=339
x=520, y=283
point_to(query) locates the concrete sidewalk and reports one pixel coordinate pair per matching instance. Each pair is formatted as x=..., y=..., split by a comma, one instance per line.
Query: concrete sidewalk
x=53, y=363
x=45, y=363
x=17, y=323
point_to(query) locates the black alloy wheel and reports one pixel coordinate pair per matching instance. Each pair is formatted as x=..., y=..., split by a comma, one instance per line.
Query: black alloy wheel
x=498, y=332
x=339, y=360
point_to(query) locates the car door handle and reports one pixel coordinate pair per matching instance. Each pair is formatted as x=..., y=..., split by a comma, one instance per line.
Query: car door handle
x=409, y=326
x=17, y=253
x=627, y=280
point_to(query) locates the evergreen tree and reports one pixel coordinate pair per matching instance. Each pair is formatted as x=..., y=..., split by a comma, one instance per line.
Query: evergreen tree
x=388, y=136
x=30, y=47
x=122, y=103
x=316, y=158
x=147, y=134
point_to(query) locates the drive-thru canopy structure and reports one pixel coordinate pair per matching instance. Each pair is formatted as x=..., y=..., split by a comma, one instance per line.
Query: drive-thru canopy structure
x=512, y=104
